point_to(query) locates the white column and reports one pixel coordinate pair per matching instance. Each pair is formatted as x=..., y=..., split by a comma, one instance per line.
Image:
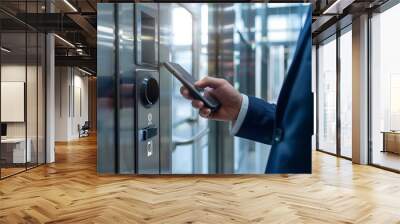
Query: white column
x=360, y=90
x=50, y=92
x=50, y=99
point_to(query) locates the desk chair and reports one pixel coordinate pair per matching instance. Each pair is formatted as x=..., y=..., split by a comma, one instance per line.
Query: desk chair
x=84, y=130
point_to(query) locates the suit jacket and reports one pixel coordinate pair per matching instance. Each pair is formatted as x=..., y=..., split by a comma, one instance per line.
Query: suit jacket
x=287, y=126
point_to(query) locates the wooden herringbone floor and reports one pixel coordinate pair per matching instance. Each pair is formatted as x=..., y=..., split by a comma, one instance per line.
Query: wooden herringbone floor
x=70, y=191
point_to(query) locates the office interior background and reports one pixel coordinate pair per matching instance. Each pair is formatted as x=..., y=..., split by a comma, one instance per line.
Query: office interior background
x=49, y=97
x=262, y=39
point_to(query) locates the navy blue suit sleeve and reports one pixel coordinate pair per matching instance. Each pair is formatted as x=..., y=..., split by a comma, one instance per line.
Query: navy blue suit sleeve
x=258, y=125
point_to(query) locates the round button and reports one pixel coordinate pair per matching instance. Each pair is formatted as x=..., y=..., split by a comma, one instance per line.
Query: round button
x=150, y=91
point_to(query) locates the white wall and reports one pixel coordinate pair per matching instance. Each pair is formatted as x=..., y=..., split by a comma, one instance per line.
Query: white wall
x=12, y=73
x=62, y=82
x=80, y=94
x=33, y=126
x=71, y=94
x=17, y=73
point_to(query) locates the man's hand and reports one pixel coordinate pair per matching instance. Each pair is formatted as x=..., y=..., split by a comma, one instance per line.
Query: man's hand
x=223, y=91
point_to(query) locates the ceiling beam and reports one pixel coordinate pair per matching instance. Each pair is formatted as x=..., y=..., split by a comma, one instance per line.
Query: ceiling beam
x=81, y=61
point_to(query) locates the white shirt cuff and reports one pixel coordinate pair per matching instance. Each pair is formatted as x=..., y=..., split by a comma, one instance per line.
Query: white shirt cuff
x=235, y=125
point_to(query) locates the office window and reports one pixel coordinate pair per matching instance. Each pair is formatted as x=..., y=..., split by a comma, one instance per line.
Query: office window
x=327, y=96
x=385, y=89
x=346, y=93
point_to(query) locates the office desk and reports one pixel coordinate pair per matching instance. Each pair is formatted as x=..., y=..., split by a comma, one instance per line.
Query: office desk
x=391, y=141
x=13, y=150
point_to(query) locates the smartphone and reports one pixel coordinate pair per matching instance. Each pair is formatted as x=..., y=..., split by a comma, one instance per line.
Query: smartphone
x=188, y=81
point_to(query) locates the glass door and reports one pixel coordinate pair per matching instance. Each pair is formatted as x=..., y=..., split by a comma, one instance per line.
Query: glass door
x=327, y=96
x=334, y=94
x=385, y=90
x=189, y=131
x=346, y=92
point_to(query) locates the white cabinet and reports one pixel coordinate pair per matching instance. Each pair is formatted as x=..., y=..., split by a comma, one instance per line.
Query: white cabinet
x=19, y=155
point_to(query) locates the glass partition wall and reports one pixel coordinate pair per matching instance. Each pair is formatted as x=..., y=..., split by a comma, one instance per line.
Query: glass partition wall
x=22, y=87
x=385, y=90
x=182, y=52
x=189, y=48
x=334, y=90
x=327, y=78
x=345, y=62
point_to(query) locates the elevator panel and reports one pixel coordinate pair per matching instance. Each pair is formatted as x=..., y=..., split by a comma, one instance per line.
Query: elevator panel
x=129, y=89
x=148, y=127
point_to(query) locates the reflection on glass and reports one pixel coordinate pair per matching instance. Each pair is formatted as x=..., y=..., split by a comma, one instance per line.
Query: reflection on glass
x=182, y=156
x=276, y=72
x=181, y=27
x=346, y=94
x=385, y=85
x=192, y=157
x=265, y=37
x=327, y=97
